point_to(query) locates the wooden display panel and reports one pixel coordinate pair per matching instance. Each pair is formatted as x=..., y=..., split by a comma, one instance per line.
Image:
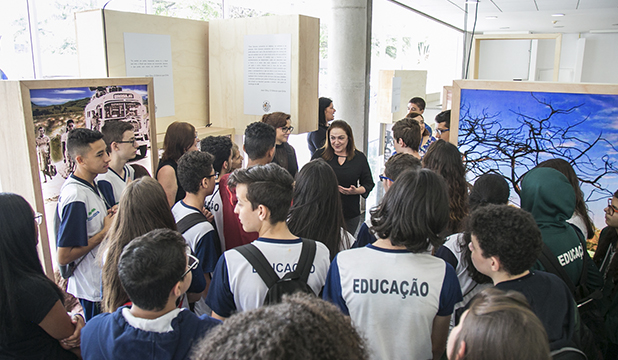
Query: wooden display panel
x=18, y=148
x=227, y=69
x=413, y=84
x=100, y=35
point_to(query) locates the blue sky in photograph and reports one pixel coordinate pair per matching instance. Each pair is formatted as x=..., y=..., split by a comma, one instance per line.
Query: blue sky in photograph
x=46, y=97
x=601, y=119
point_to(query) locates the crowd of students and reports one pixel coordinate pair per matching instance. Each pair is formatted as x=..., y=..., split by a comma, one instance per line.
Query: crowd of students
x=173, y=268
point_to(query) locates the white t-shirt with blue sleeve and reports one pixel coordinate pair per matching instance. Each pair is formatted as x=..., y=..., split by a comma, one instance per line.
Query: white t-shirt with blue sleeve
x=392, y=297
x=82, y=212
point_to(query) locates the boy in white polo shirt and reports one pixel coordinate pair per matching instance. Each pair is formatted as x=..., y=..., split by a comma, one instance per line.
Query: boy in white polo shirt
x=83, y=218
x=121, y=146
x=264, y=196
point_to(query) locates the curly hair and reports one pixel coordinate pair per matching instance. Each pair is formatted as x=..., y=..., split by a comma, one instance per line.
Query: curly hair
x=445, y=159
x=193, y=167
x=500, y=326
x=220, y=147
x=509, y=233
x=260, y=138
x=301, y=327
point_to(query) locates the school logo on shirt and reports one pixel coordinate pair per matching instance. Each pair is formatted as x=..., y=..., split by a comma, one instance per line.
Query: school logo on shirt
x=93, y=213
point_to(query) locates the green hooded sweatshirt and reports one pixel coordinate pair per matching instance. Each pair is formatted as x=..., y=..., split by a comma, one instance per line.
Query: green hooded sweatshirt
x=549, y=197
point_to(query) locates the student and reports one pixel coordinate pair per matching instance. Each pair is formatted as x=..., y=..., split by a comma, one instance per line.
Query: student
x=417, y=104
x=142, y=208
x=121, y=146
x=407, y=137
x=549, y=196
x=83, y=218
x=443, y=125
x=197, y=178
x=398, y=294
x=426, y=137
x=264, y=197
x=505, y=243
x=260, y=147
x=394, y=167
x=488, y=189
x=498, y=325
x=316, y=208
x=237, y=158
x=221, y=147
x=33, y=319
x=606, y=260
x=326, y=113
x=155, y=270
x=301, y=327
x=445, y=159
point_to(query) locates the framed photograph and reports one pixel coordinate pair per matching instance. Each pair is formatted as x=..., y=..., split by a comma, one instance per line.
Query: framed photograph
x=49, y=109
x=510, y=127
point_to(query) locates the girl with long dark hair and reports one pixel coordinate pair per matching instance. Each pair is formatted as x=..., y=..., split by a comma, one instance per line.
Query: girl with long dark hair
x=316, y=209
x=32, y=316
x=326, y=113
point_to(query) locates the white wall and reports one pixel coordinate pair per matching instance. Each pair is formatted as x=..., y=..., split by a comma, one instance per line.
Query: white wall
x=509, y=59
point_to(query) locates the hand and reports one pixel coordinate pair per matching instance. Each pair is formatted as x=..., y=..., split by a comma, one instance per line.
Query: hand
x=113, y=210
x=107, y=221
x=352, y=190
x=209, y=216
x=74, y=340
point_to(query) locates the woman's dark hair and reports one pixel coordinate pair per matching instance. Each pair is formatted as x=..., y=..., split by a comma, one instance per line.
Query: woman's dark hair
x=488, y=189
x=143, y=207
x=444, y=158
x=300, y=327
x=323, y=104
x=316, y=208
x=19, y=259
x=603, y=248
x=581, y=208
x=179, y=137
x=413, y=212
x=329, y=153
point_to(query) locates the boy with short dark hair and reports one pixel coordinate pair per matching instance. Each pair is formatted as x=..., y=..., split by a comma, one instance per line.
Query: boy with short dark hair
x=83, y=218
x=443, y=124
x=221, y=148
x=197, y=177
x=505, y=243
x=155, y=270
x=259, y=145
x=121, y=146
x=417, y=104
x=407, y=137
x=264, y=197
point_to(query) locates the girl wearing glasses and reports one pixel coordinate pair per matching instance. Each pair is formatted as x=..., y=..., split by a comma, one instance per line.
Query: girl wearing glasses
x=605, y=258
x=285, y=155
x=32, y=316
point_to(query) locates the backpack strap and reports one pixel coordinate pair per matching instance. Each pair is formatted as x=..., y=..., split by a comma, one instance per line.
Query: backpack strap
x=189, y=221
x=305, y=262
x=259, y=262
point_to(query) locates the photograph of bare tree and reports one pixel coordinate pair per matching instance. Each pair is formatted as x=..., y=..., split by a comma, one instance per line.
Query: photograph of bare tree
x=510, y=132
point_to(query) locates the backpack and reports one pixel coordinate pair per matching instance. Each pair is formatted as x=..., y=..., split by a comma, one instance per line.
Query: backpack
x=291, y=282
x=592, y=328
x=190, y=221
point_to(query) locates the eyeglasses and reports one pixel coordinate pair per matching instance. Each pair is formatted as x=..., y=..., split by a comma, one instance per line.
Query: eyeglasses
x=287, y=129
x=192, y=265
x=441, y=131
x=38, y=217
x=216, y=175
x=611, y=209
x=131, y=141
x=384, y=178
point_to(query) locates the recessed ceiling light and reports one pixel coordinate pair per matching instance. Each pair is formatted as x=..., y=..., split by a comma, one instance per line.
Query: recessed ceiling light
x=504, y=28
x=556, y=15
x=471, y=1
x=558, y=26
x=491, y=17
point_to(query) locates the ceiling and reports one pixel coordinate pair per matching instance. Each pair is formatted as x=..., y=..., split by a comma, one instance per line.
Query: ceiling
x=523, y=15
